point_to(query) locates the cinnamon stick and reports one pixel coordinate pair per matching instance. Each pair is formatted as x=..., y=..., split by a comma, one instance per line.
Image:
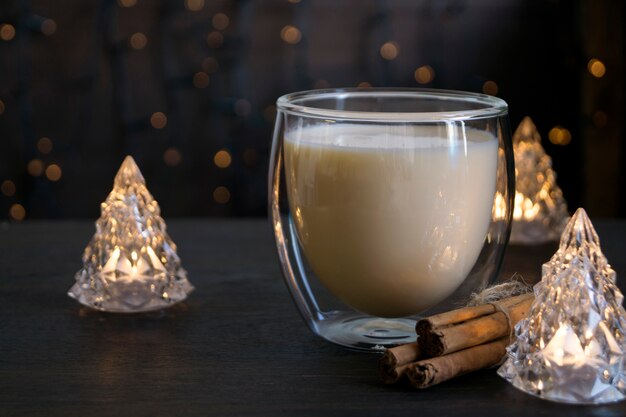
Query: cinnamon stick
x=445, y=340
x=467, y=313
x=392, y=375
x=429, y=372
x=458, y=341
x=394, y=361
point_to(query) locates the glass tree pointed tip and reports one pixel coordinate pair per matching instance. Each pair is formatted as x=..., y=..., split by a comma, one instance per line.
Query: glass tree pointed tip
x=579, y=231
x=128, y=173
x=526, y=131
x=580, y=217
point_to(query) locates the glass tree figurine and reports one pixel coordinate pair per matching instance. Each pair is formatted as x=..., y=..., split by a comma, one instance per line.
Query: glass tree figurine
x=540, y=212
x=130, y=265
x=571, y=347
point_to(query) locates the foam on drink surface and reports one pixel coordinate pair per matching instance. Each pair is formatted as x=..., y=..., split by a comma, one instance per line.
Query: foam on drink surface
x=390, y=218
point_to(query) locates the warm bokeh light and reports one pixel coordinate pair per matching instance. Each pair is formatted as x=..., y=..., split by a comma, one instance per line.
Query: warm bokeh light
x=17, y=212
x=599, y=119
x=222, y=159
x=2, y=108
x=242, y=107
x=172, y=157
x=517, y=211
x=35, y=167
x=221, y=195
x=48, y=27
x=201, y=80
x=490, y=87
x=44, y=145
x=194, y=5
x=596, y=68
x=364, y=84
x=389, y=50
x=158, y=120
x=138, y=40
x=8, y=188
x=559, y=135
x=7, y=32
x=290, y=34
x=524, y=208
x=214, y=39
x=127, y=3
x=53, y=172
x=499, y=209
x=210, y=65
x=424, y=74
x=220, y=21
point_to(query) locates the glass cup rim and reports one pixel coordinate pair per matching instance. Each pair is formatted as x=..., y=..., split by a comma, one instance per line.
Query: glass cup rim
x=493, y=106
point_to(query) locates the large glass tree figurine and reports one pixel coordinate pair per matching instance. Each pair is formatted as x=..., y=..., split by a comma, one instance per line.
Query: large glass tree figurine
x=130, y=264
x=572, y=346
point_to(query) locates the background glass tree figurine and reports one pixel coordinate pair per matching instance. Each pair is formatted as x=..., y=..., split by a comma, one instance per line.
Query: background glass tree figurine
x=540, y=212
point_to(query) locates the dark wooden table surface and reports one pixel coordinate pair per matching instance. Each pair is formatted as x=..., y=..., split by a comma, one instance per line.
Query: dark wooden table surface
x=237, y=347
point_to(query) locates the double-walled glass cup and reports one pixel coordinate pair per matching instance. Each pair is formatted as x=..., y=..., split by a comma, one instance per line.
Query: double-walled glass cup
x=386, y=204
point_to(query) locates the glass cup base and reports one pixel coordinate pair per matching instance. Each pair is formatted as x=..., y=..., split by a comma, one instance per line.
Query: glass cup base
x=365, y=333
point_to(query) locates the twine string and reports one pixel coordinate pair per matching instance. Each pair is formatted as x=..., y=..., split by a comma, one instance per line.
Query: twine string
x=492, y=295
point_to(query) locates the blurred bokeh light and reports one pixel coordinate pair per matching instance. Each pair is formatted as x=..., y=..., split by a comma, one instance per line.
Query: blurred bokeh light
x=188, y=87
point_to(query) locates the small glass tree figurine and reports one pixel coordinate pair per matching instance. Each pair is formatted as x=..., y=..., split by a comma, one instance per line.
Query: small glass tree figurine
x=540, y=212
x=572, y=346
x=130, y=265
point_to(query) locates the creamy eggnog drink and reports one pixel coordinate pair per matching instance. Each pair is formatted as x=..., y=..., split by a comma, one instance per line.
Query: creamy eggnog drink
x=391, y=218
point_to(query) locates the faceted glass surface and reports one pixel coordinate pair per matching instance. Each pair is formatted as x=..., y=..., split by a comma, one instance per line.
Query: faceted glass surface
x=130, y=264
x=540, y=212
x=571, y=347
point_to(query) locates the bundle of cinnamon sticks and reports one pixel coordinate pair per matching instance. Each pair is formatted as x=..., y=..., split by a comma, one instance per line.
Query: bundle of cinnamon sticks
x=454, y=343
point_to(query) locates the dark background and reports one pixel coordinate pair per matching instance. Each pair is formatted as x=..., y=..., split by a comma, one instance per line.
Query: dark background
x=175, y=82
